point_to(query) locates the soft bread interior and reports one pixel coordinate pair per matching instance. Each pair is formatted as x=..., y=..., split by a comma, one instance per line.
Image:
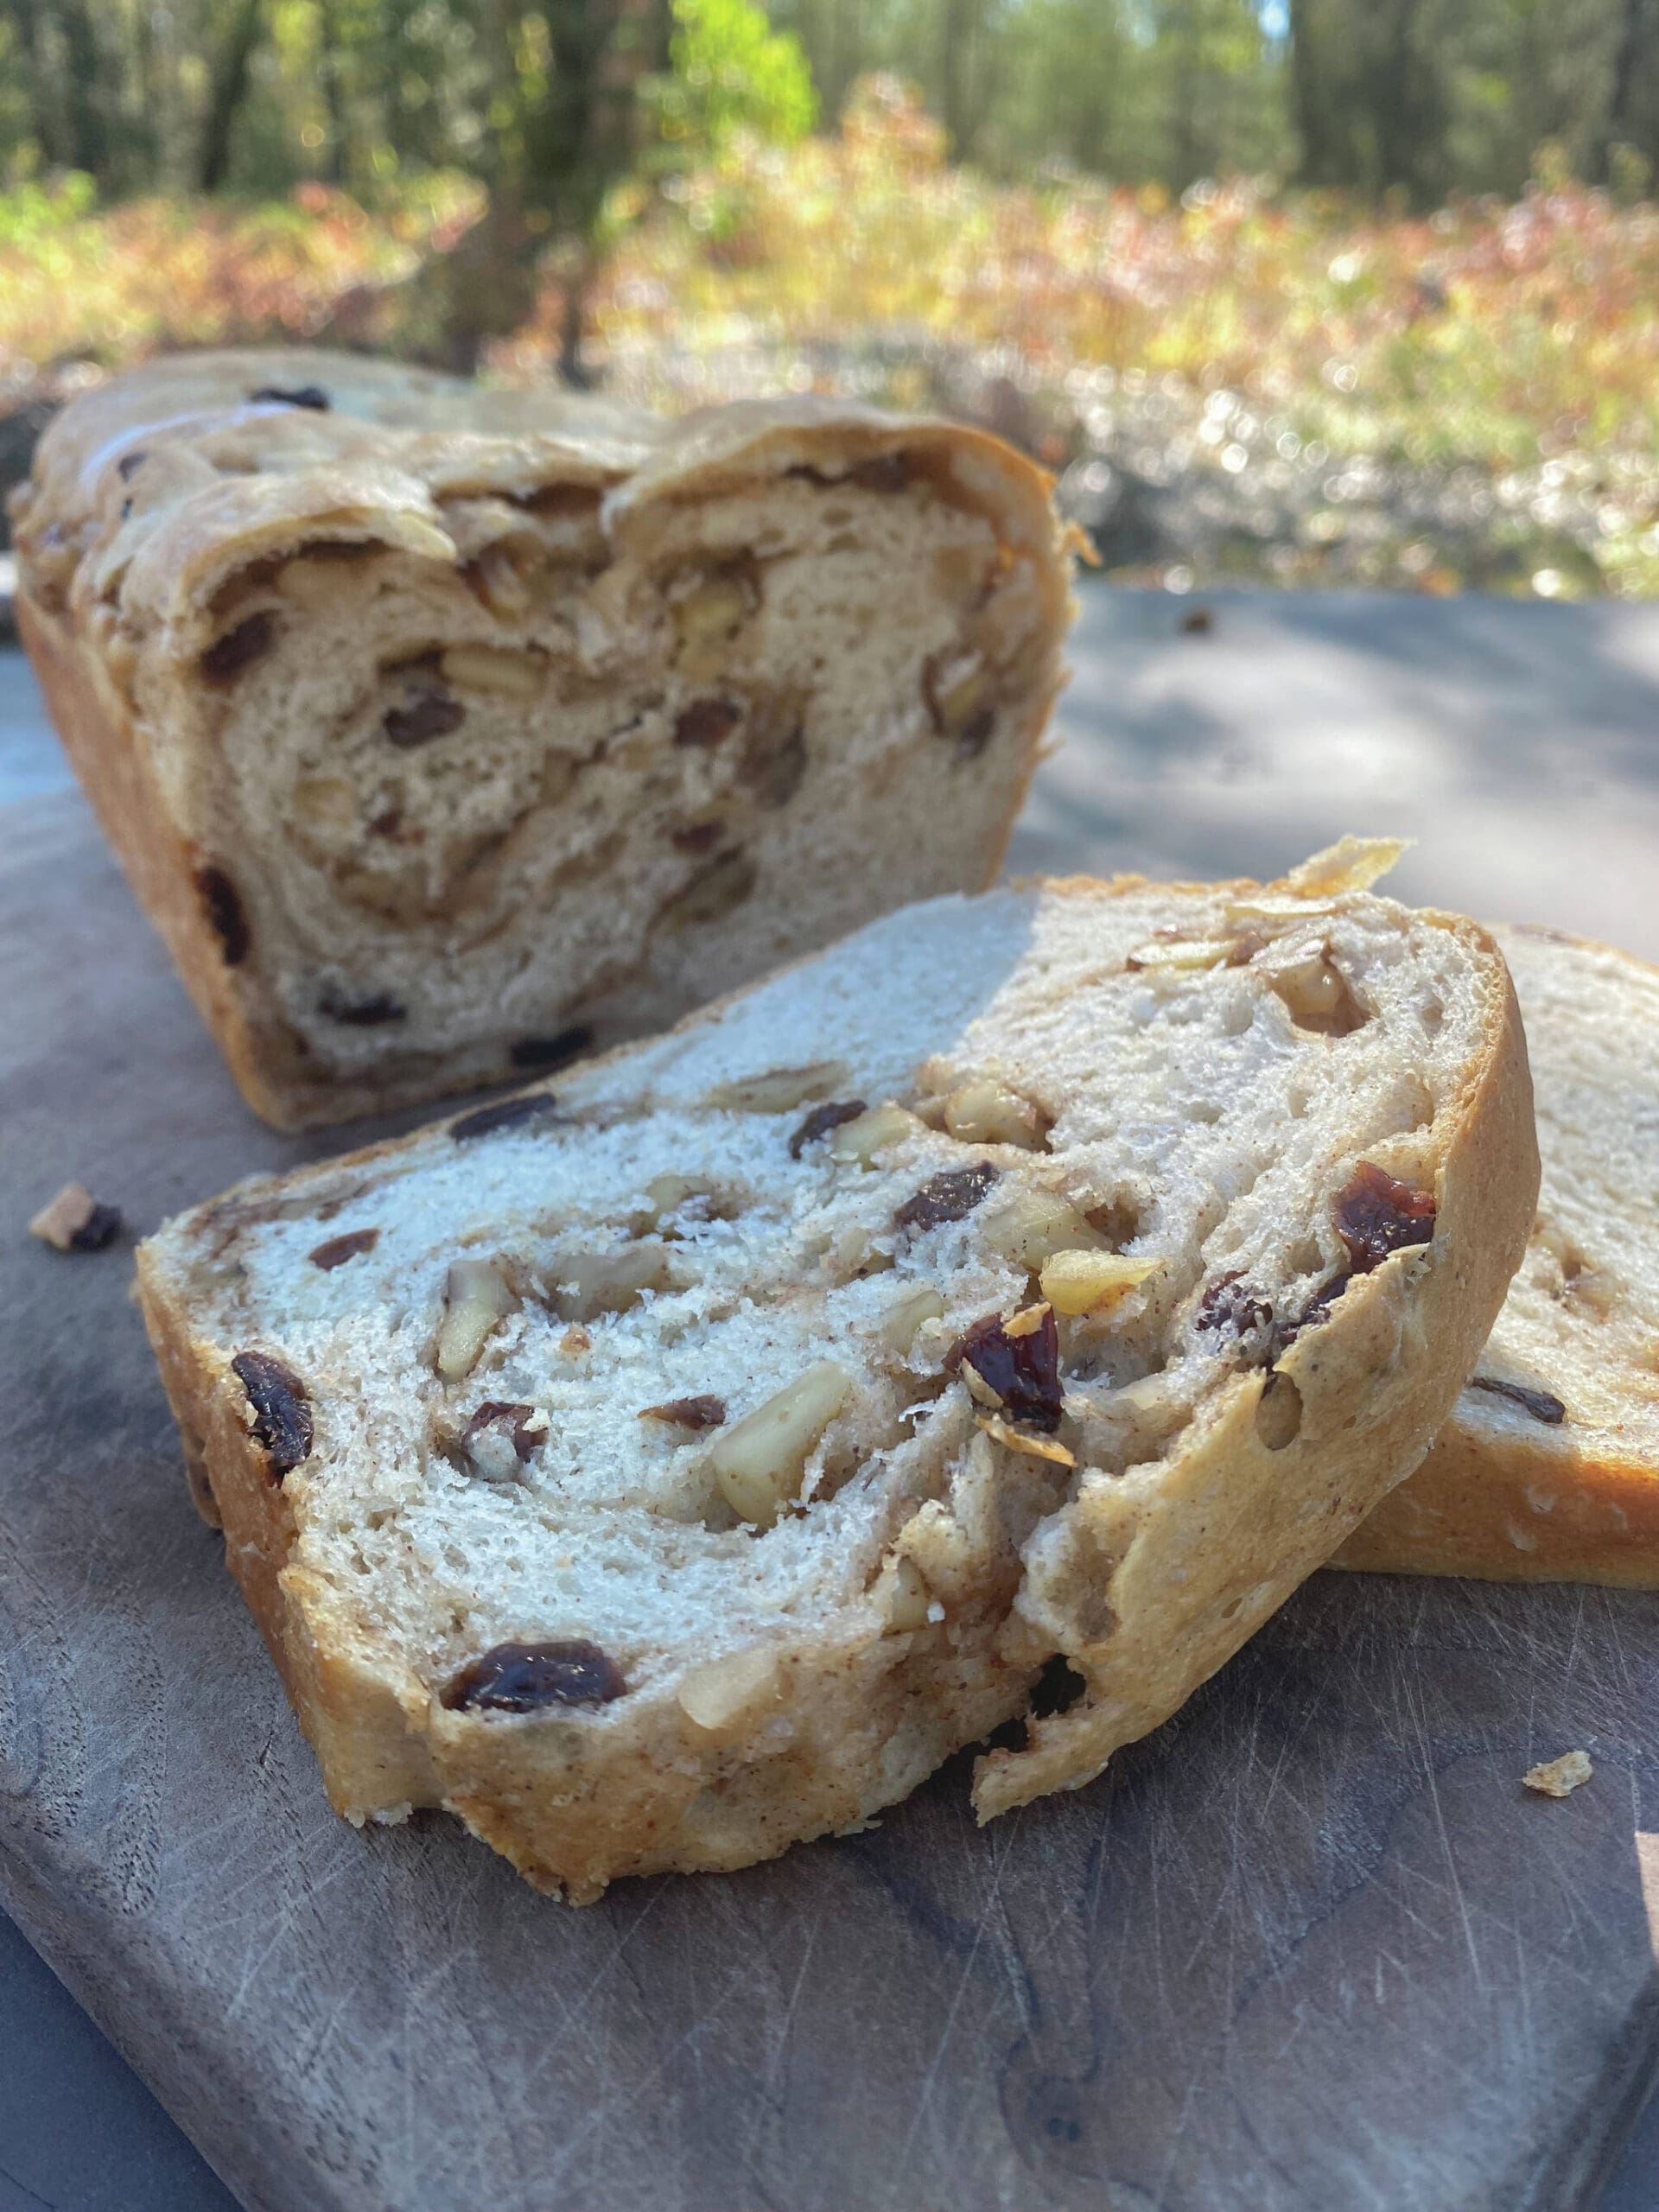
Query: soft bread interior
x=1172, y=1089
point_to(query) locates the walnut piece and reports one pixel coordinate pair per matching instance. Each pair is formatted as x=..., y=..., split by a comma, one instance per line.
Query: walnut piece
x=1559, y=1777
x=1085, y=1282
x=475, y=1299
x=759, y=1461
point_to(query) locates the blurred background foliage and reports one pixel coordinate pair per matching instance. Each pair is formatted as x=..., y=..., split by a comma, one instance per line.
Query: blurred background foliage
x=1322, y=291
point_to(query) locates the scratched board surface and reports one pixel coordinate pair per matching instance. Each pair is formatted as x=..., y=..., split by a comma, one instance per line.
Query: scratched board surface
x=1309, y=1947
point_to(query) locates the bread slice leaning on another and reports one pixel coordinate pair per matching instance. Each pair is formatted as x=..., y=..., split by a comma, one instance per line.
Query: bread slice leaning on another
x=684, y=1461
x=1548, y=1471
x=444, y=732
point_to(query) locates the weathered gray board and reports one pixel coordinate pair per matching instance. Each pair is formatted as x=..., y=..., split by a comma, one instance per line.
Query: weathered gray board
x=1312, y=1947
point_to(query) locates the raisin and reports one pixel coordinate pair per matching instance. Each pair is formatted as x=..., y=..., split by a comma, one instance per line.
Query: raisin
x=887, y=472
x=305, y=395
x=696, y=836
x=523, y=1677
x=551, y=1052
x=705, y=722
x=819, y=1122
x=1316, y=1309
x=688, y=1413
x=507, y=1115
x=972, y=740
x=523, y=1439
x=774, y=771
x=338, y=1249
x=1542, y=1405
x=281, y=1410
x=238, y=648
x=129, y=463
x=946, y=1196
x=226, y=915
x=1232, y=1308
x=361, y=1014
x=1376, y=1215
x=1024, y=1372
x=428, y=711
x=101, y=1227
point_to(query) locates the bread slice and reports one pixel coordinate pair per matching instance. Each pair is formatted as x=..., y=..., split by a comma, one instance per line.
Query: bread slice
x=1548, y=1471
x=444, y=732
x=661, y=1469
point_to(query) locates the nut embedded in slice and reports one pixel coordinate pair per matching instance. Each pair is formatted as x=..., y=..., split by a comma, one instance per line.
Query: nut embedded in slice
x=474, y=1300
x=759, y=1463
x=496, y=669
x=906, y=1315
x=985, y=1111
x=778, y=1091
x=1035, y=1447
x=861, y=1138
x=719, y=1691
x=910, y=1603
x=1083, y=1282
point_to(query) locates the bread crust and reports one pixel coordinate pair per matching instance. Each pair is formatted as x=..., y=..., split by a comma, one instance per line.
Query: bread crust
x=1154, y=1587
x=112, y=602
x=1504, y=1498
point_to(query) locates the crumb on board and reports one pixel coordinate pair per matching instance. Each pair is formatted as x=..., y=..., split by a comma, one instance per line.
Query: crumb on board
x=75, y=1221
x=1559, y=1777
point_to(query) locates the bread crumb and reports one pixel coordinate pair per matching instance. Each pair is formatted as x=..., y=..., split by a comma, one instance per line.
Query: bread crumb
x=1559, y=1777
x=75, y=1222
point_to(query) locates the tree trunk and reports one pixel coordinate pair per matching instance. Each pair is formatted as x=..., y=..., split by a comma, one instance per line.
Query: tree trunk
x=1311, y=103
x=227, y=93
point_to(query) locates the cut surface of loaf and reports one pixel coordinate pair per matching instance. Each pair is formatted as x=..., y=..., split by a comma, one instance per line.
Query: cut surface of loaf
x=444, y=732
x=1550, y=1469
x=667, y=1465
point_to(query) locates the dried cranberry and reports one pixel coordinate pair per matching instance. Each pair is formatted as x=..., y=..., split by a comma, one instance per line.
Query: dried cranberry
x=428, y=711
x=505, y=1115
x=688, y=1413
x=239, y=648
x=514, y=1419
x=946, y=1196
x=361, y=1014
x=1376, y=1215
x=819, y=1122
x=551, y=1052
x=523, y=1677
x=1542, y=1405
x=338, y=1249
x=305, y=395
x=281, y=1408
x=1024, y=1370
x=705, y=722
x=226, y=915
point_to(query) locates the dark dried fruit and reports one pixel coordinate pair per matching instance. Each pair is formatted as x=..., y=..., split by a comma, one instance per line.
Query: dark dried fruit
x=1024, y=1370
x=361, y=1014
x=1232, y=1307
x=428, y=711
x=688, y=1413
x=946, y=1196
x=282, y=1409
x=1542, y=1405
x=705, y=722
x=238, y=648
x=338, y=1249
x=1376, y=1215
x=696, y=836
x=507, y=1115
x=514, y=1420
x=525, y=1677
x=304, y=395
x=1197, y=622
x=887, y=472
x=551, y=1052
x=1316, y=1309
x=819, y=1122
x=774, y=763
x=972, y=740
x=225, y=916
x=129, y=463
x=101, y=1227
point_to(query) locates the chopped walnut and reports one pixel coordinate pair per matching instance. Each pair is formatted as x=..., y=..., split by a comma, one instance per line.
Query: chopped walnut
x=1559, y=1777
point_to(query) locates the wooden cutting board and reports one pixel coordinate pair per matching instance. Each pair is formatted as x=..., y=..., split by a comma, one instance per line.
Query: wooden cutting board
x=1309, y=1947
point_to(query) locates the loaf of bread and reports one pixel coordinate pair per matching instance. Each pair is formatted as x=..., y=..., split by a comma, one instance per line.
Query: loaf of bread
x=1548, y=1471
x=663, y=1467
x=445, y=732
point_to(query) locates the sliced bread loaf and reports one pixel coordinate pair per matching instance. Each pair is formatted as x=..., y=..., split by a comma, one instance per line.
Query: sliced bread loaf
x=665, y=1468
x=444, y=732
x=1548, y=1471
